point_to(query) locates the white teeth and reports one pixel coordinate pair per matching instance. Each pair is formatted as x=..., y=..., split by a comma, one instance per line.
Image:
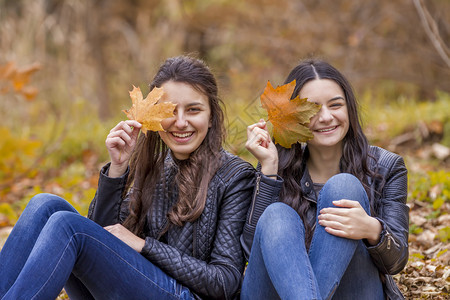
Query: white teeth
x=182, y=135
x=325, y=130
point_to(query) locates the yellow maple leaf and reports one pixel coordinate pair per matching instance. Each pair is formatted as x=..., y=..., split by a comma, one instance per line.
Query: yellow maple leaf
x=148, y=111
x=288, y=117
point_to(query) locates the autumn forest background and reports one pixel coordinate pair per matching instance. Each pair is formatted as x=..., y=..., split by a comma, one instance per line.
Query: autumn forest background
x=66, y=68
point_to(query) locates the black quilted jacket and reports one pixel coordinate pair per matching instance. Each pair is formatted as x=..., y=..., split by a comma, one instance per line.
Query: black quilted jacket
x=205, y=255
x=390, y=255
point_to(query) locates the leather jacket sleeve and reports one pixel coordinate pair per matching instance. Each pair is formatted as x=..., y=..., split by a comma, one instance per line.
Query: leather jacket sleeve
x=218, y=277
x=265, y=193
x=105, y=208
x=390, y=255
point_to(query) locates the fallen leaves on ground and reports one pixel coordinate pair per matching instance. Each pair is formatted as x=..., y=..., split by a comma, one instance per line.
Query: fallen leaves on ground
x=427, y=274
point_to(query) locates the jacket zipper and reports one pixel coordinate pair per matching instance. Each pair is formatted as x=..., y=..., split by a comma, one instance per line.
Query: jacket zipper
x=194, y=240
x=163, y=228
x=389, y=238
x=258, y=179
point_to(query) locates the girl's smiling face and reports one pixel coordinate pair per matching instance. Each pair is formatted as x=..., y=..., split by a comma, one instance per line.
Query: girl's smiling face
x=186, y=130
x=331, y=123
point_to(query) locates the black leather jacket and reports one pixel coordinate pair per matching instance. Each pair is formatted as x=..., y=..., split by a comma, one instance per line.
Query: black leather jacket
x=204, y=255
x=390, y=255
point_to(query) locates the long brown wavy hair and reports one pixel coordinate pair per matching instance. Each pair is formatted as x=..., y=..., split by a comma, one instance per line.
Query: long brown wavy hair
x=355, y=152
x=194, y=173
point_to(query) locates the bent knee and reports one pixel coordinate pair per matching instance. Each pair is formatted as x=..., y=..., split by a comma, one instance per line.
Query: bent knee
x=63, y=218
x=343, y=186
x=345, y=179
x=48, y=202
x=276, y=218
x=43, y=198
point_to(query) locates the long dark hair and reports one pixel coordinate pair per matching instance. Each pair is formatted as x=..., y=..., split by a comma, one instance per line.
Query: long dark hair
x=355, y=152
x=194, y=173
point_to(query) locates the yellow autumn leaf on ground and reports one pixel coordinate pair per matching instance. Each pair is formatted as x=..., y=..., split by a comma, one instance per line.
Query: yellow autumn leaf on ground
x=148, y=111
x=288, y=117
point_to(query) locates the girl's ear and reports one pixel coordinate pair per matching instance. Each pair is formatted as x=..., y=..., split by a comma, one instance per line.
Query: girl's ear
x=210, y=123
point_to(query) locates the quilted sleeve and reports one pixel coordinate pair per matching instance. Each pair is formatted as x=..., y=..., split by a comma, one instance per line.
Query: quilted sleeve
x=390, y=255
x=219, y=277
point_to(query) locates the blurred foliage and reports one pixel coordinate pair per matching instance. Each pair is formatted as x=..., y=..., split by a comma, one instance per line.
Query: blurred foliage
x=409, y=114
x=433, y=187
x=17, y=154
x=96, y=49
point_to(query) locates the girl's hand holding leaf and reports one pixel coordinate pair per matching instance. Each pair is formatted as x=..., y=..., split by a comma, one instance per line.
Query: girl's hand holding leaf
x=120, y=143
x=145, y=114
x=260, y=144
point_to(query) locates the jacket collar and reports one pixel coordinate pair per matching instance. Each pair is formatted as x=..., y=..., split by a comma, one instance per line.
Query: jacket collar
x=306, y=182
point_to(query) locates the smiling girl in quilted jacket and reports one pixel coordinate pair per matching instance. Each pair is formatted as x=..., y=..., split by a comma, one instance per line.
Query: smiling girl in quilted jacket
x=165, y=222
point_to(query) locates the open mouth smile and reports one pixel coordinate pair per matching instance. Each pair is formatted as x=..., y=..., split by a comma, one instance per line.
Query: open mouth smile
x=182, y=135
x=327, y=129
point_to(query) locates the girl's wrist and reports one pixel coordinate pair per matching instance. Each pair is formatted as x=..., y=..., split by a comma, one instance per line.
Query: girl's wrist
x=375, y=236
x=117, y=170
x=269, y=168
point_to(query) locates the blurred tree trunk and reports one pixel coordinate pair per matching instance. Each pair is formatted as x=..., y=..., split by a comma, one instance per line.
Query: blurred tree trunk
x=96, y=17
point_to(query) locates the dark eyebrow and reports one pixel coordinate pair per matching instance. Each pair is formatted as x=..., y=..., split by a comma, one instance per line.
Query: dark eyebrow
x=195, y=104
x=336, y=98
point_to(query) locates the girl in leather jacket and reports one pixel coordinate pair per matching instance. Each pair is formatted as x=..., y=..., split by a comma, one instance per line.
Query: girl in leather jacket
x=328, y=217
x=166, y=219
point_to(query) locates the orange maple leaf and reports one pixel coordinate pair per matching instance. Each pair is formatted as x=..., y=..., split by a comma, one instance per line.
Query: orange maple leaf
x=147, y=111
x=14, y=80
x=21, y=77
x=288, y=117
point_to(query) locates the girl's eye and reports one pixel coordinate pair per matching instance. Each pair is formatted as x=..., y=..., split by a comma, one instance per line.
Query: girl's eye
x=336, y=105
x=194, y=109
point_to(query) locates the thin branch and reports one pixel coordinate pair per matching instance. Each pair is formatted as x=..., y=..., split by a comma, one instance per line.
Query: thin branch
x=433, y=35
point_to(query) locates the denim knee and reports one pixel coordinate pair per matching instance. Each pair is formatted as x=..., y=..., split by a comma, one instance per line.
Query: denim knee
x=276, y=219
x=45, y=199
x=45, y=204
x=343, y=186
x=63, y=218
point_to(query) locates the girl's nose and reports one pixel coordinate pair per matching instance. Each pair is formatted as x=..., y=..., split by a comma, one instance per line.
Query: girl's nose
x=325, y=115
x=181, y=121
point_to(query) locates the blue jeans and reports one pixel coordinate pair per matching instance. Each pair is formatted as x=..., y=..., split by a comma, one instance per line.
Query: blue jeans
x=52, y=245
x=281, y=267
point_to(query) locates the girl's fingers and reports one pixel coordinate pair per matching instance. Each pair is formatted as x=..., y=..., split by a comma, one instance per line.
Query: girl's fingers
x=128, y=126
x=336, y=232
x=114, y=142
x=347, y=203
x=125, y=132
x=261, y=124
x=340, y=207
x=120, y=134
x=333, y=218
x=257, y=132
x=133, y=123
x=259, y=139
